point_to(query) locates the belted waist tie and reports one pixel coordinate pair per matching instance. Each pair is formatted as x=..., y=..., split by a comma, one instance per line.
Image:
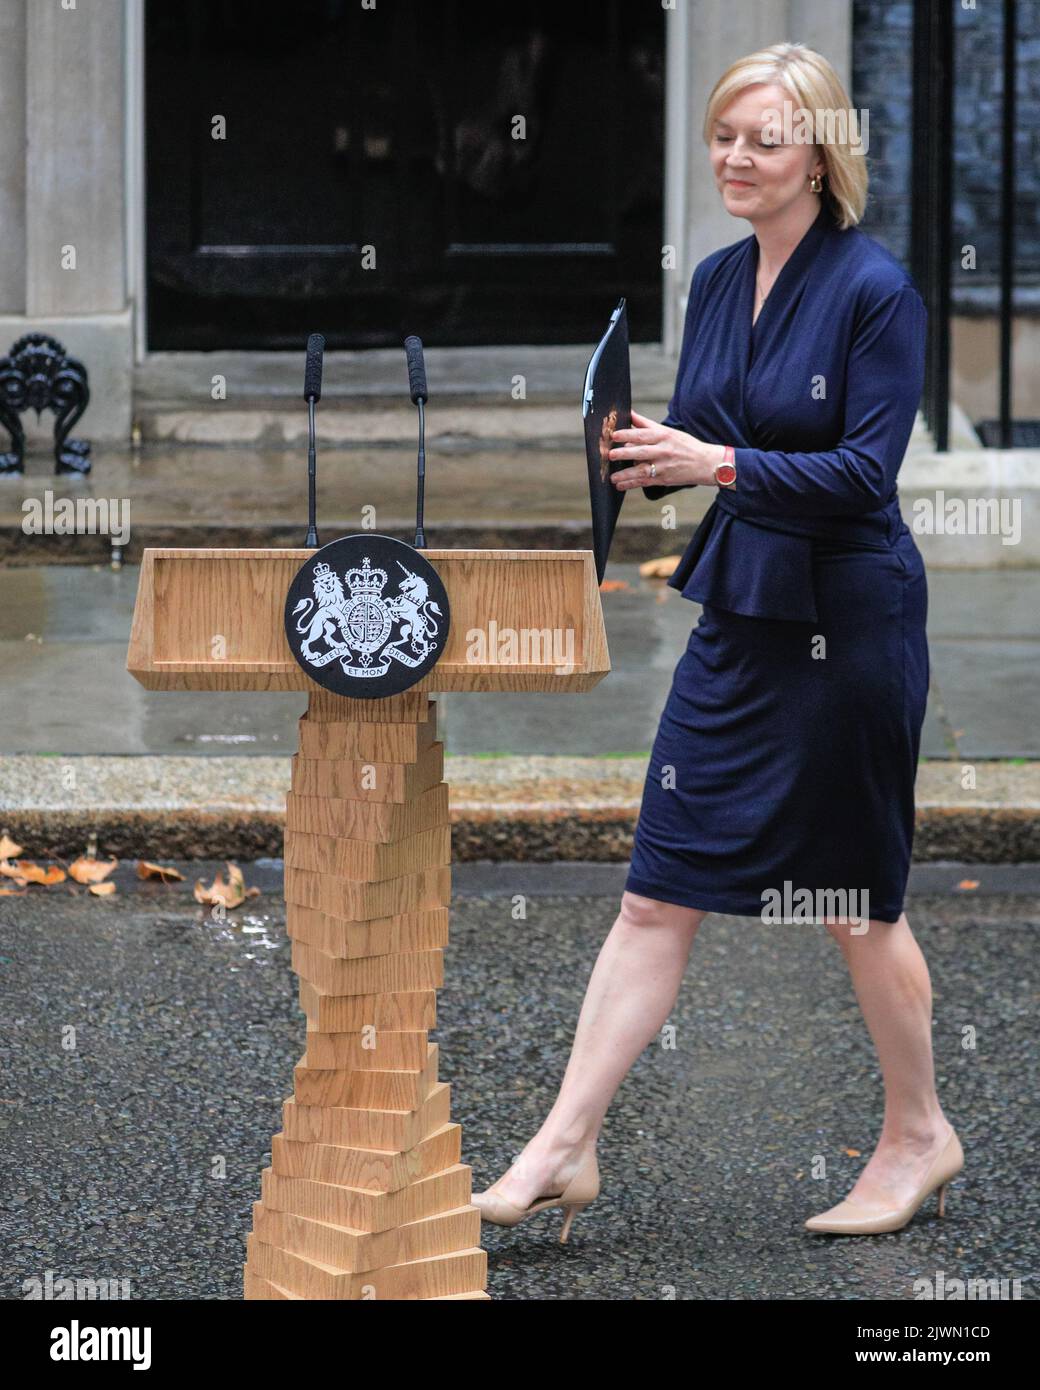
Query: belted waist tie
x=763, y=567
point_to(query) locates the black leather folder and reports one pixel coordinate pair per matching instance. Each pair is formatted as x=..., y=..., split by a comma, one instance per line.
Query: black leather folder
x=606, y=406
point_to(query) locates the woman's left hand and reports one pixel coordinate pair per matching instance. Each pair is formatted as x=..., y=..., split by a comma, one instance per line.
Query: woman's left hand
x=678, y=457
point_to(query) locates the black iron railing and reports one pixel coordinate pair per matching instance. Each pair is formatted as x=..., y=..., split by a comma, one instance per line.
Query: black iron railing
x=1007, y=220
x=931, y=200
x=932, y=215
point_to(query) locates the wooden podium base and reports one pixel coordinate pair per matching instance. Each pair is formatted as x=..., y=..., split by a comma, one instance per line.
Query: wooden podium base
x=366, y=1196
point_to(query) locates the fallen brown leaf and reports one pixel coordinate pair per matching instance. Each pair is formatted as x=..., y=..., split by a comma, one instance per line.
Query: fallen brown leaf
x=968, y=883
x=145, y=869
x=85, y=870
x=230, y=894
x=853, y=1153
x=660, y=568
x=102, y=890
x=13, y=892
x=8, y=848
x=27, y=871
x=609, y=586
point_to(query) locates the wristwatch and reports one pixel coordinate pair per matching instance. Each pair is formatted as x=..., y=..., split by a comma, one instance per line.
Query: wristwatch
x=725, y=473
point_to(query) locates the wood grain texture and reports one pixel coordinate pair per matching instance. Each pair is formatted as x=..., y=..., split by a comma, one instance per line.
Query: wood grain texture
x=214, y=620
x=366, y=1196
x=319, y=935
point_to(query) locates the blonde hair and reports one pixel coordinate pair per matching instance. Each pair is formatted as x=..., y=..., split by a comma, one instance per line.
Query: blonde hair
x=815, y=87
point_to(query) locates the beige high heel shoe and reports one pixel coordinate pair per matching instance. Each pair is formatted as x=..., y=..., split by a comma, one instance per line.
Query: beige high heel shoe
x=850, y=1218
x=582, y=1189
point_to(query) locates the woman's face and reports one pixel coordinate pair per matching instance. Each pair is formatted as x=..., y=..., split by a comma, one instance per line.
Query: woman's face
x=756, y=172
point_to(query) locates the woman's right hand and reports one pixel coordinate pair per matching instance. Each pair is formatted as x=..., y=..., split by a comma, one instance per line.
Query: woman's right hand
x=678, y=458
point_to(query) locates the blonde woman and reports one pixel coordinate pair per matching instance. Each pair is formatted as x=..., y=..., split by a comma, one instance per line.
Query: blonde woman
x=786, y=753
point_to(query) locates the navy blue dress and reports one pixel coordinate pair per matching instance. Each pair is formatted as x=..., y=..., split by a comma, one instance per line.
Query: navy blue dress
x=786, y=754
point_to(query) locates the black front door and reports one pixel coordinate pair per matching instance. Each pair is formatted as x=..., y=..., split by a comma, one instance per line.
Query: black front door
x=475, y=173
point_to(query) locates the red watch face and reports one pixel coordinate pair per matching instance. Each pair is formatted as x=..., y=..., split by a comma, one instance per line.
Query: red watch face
x=725, y=473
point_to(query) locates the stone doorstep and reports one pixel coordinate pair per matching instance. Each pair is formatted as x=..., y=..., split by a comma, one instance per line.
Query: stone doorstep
x=268, y=425
x=538, y=809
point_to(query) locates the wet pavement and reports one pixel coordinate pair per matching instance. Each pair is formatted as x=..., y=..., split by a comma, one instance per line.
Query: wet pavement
x=149, y=1050
x=64, y=687
x=480, y=494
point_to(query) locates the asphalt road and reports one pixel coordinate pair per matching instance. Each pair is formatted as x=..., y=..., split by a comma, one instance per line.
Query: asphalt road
x=148, y=1050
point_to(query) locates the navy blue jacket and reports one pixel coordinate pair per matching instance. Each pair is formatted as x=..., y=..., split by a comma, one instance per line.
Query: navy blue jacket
x=818, y=398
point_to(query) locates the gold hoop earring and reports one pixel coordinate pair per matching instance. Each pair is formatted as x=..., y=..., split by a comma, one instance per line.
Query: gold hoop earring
x=816, y=184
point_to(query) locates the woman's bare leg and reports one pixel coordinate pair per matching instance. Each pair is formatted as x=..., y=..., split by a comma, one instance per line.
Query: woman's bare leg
x=891, y=981
x=629, y=997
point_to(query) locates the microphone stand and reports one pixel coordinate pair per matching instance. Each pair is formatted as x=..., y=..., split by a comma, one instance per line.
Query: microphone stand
x=312, y=533
x=312, y=394
x=417, y=390
x=420, y=536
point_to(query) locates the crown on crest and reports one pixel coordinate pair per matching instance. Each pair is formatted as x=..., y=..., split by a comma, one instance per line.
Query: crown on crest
x=321, y=569
x=366, y=580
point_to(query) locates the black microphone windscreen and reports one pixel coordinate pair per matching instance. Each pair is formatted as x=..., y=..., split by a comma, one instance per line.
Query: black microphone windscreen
x=416, y=369
x=312, y=372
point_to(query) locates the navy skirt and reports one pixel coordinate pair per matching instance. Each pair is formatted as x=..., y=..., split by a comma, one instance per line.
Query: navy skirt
x=786, y=754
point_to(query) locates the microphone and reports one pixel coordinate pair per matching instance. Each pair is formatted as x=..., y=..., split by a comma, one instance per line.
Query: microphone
x=417, y=389
x=416, y=369
x=312, y=372
x=312, y=394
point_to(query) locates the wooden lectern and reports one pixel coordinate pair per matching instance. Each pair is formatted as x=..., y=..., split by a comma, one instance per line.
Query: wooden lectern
x=366, y=1195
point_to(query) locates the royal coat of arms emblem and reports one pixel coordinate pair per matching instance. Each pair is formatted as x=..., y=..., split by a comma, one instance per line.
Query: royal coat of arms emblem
x=352, y=633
